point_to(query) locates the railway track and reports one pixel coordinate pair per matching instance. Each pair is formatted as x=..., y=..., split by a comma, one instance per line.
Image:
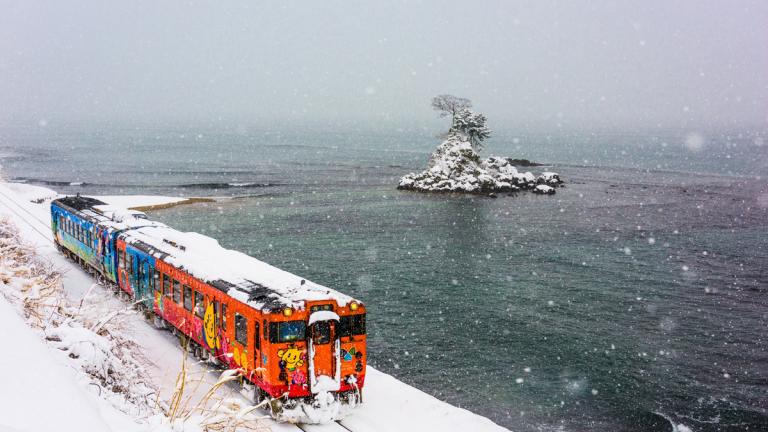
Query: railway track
x=41, y=227
x=336, y=426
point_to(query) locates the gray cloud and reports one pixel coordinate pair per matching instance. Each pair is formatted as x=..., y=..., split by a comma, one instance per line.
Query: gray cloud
x=537, y=63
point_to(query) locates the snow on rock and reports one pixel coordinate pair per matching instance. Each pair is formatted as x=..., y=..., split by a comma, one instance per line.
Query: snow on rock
x=544, y=190
x=456, y=167
x=551, y=178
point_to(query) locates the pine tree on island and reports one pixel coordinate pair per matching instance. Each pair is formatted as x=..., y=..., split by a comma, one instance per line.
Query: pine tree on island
x=456, y=166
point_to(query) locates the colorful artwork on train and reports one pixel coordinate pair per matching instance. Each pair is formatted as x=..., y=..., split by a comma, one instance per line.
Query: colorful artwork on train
x=231, y=309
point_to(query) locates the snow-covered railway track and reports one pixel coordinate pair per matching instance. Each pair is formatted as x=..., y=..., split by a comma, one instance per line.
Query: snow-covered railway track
x=328, y=427
x=41, y=227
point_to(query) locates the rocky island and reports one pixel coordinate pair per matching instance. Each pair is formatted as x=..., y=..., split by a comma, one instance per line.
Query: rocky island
x=456, y=166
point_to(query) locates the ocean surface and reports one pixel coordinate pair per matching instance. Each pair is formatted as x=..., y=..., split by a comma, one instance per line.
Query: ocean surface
x=634, y=299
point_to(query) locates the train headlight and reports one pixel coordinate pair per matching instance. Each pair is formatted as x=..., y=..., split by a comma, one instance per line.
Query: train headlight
x=287, y=312
x=353, y=306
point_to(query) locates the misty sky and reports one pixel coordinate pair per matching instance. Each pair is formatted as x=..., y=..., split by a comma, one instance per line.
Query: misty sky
x=576, y=64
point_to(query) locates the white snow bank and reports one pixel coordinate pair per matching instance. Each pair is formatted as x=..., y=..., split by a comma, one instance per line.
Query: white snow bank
x=39, y=194
x=32, y=193
x=41, y=393
x=390, y=405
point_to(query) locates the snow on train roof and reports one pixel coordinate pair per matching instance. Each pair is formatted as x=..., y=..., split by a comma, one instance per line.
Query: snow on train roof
x=105, y=214
x=243, y=277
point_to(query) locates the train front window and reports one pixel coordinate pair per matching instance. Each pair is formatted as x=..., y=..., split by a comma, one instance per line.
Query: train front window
x=290, y=331
x=352, y=325
x=321, y=332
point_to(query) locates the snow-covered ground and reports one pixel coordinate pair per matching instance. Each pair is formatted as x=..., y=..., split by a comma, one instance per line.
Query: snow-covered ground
x=41, y=392
x=390, y=405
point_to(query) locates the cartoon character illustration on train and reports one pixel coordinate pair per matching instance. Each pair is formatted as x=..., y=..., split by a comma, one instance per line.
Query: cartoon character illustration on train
x=298, y=345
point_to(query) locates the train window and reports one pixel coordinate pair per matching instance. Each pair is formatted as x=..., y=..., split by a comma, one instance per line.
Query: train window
x=155, y=281
x=129, y=262
x=241, y=329
x=199, y=305
x=256, y=338
x=321, y=332
x=352, y=325
x=216, y=316
x=224, y=316
x=288, y=331
x=167, y=285
x=120, y=259
x=187, y=298
x=176, y=292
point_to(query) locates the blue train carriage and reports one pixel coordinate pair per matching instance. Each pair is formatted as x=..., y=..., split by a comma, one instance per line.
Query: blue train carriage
x=87, y=230
x=135, y=269
x=76, y=235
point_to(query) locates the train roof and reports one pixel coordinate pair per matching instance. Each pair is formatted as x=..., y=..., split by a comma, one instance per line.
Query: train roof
x=78, y=202
x=117, y=218
x=241, y=276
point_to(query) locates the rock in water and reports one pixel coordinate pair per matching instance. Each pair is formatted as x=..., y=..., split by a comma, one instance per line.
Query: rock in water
x=456, y=167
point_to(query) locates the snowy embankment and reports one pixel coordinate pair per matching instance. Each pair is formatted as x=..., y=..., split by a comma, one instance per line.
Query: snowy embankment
x=456, y=167
x=79, y=397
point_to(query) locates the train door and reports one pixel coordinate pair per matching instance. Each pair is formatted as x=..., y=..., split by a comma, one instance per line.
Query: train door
x=223, y=341
x=240, y=343
x=324, y=361
x=142, y=284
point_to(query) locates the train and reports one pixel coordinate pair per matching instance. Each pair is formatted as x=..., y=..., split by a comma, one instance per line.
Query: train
x=298, y=345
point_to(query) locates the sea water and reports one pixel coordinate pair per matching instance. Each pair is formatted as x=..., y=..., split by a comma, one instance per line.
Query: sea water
x=633, y=299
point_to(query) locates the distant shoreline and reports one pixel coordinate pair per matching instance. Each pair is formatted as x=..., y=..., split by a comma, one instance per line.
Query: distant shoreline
x=168, y=205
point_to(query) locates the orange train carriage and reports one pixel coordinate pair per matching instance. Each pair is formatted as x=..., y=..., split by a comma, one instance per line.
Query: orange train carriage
x=294, y=340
